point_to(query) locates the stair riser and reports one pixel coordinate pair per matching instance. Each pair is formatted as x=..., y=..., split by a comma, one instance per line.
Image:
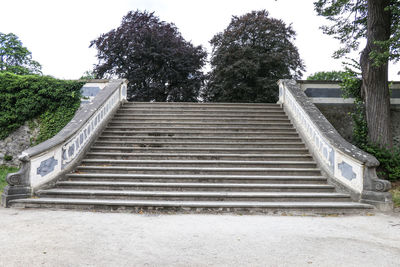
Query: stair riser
x=193, y=104
x=220, y=125
x=189, y=139
x=218, y=113
x=194, y=145
x=217, y=151
x=200, y=134
x=199, y=180
x=202, y=108
x=201, y=165
x=204, y=116
x=199, y=120
x=194, y=157
x=194, y=172
x=279, y=209
x=199, y=198
x=199, y=188
x=199, y=130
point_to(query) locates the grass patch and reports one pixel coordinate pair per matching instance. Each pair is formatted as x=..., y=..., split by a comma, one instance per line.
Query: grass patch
x=396, y=194
x=4, y=170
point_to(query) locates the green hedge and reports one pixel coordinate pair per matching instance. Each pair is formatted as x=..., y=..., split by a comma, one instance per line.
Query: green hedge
x=23, y=98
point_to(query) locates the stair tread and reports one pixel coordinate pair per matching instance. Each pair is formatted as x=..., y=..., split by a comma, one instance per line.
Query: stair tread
x=196, y=161
x=169, y=184
x=192, y=193
x=216, y=204
x=200, y=176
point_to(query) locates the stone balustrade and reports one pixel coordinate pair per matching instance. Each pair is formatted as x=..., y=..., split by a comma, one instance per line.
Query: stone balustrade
x=44, y=164
x=345, y=165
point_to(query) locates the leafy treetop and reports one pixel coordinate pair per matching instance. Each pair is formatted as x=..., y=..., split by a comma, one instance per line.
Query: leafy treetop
x=16, y=58
x=349, y=26
x=249, y=57
x=152, y=54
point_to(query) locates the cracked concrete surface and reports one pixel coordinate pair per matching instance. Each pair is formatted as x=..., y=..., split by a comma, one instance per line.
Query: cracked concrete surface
x=34, y=237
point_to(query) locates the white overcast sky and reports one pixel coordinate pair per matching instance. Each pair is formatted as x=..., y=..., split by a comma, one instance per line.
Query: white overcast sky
x=58, y=32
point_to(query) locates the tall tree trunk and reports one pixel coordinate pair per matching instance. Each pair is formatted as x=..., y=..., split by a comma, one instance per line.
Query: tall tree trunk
x=375, y=78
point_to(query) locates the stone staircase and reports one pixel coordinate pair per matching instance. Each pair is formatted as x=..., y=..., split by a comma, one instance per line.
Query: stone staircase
x=197, y=157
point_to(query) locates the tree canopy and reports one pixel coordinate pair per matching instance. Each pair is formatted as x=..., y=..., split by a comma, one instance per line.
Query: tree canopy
x=152, y=54
x=16, y=58
x=249, y=57
x=378, y=22
x=327, y=76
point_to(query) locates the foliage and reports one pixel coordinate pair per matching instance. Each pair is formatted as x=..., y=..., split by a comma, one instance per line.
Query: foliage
x=349, y=25
x=389, y=158
x=249, y=57
x=396, y=196
x=327, y=76
x=88, y=75
x=378, y=22
x=4, y=170
x=152, y=54
x=16, y=58
x=54, y=119
x=26, y=97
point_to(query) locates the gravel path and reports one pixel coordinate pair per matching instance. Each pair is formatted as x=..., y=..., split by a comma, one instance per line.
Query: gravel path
x=79, y=238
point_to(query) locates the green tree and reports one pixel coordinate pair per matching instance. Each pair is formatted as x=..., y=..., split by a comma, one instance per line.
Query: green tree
x=16, y=58
x=327, y=76
x=249, y=57
x=159, y=64
x=378, y=22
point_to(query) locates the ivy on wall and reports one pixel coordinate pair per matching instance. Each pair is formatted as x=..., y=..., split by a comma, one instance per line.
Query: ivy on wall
x=26, y=97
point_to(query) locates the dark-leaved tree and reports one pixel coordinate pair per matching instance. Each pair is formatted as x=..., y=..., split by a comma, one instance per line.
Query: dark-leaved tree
x=16, y=58
x=249, y=57
x=152, y=54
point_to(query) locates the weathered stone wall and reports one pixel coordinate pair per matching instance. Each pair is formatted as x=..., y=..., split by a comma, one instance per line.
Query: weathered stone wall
x=16, y=142
x=338, y=116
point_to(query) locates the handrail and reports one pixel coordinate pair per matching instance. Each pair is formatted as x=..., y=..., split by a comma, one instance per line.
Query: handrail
x=345, y=164
x=46, y=162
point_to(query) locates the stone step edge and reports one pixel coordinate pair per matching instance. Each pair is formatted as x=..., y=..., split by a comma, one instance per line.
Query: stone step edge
x=199, y=137
x=197, y=155
x=199, y=176
x=111, y=161
x=198, y=103
x=93, y=192
x=202, y=148
x=195, y=204
x=218, y=169
x=202, y=185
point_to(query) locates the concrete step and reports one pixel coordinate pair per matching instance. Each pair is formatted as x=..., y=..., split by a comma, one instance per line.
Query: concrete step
x=203, y=107
x=199, y=170
x=214, y=150
x=199, y=186
x=218, y=112
x=185, y=119
x=197, y=138
x=198, y=156
x=198, y=163
x=202, y=129
x=194, y=195
x=202, y=104
x=211, y=178
x=197, y=116
x=194, y=144
x=248, y=125
x=287, y=133
x=193, y=206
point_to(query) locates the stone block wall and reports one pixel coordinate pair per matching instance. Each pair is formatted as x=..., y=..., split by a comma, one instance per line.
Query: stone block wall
x=16, y=142
x=338, y=116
